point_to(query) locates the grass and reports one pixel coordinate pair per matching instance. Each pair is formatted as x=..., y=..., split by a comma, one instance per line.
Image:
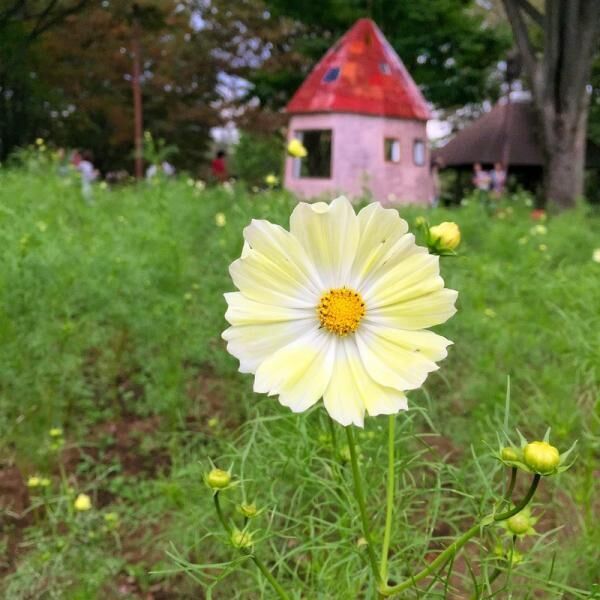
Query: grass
x=110, y=327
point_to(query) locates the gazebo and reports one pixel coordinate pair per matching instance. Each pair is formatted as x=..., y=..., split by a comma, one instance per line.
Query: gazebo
x=507, y=134
x=362, y=119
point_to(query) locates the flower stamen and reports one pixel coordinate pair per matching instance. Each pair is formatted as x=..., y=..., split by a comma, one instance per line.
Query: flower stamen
x=340, y=310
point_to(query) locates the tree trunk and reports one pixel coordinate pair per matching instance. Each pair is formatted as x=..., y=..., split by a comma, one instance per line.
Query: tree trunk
x=564, y=159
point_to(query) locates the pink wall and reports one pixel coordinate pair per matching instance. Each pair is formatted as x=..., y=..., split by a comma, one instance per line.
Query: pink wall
x=358, y=159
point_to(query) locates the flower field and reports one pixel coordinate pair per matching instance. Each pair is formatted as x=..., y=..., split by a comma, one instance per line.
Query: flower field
x=117, y=392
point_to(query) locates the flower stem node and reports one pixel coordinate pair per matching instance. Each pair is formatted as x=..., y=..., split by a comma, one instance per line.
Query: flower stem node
x=217, y=479
x=241, y=539
x=541, y=457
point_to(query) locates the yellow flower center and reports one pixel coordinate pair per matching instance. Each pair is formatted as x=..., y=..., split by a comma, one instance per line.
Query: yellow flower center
x=340, y=310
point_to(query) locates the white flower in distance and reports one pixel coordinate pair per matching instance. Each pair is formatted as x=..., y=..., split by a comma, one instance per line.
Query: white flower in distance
x=337, y=308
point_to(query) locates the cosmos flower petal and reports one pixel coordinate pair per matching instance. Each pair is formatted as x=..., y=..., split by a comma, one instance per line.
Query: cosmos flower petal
x=427, y=343
x=392, y=365
x=377, y=399
x=419, y=313
x=394, y=255
x=342, y=398
x=262, y=280
x=282, y=248
x=299, y=372
x=329, y=234
x=380, y=228
x=253, y=344
x=414, y=277
x=243, y=311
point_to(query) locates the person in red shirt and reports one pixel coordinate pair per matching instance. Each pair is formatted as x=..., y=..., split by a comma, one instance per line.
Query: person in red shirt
x=219, y=166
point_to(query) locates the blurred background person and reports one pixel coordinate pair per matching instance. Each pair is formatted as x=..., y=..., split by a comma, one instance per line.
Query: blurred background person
x=218, y=167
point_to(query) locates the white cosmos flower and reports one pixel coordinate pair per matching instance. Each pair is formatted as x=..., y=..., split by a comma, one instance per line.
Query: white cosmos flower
x=337, y=308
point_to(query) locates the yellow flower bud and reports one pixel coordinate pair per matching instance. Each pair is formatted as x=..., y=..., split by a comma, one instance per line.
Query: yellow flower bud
x=510, y=454
x=220, y=219
x=56, y=432
x=296, y=148
x=446, y=235
x=33, y=482
x=82, y=502
x=518, y=524
x=420, y=221
x=541, y=457
x=241, y=539
x=217, y=479
x=248, y=510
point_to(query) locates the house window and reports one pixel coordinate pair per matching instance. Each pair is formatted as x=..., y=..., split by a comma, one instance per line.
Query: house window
x=391, y=148
x=419, y=153
x=317, y=162
x=331, y=75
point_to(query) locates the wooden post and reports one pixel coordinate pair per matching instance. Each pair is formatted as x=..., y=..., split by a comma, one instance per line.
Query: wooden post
x=137, y=93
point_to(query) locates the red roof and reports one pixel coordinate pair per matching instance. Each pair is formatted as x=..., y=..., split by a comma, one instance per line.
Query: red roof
x=362, y=74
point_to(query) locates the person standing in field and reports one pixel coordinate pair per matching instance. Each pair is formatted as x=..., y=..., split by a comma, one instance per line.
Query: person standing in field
x=218, y=167
x=481, y=179
x=83, y=163
x=498, y=179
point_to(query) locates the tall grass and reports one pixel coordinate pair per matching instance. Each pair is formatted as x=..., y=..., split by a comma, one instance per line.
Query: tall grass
x=114, y=311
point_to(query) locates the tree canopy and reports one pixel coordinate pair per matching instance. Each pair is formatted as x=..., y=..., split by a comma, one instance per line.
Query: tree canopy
x=446, y=45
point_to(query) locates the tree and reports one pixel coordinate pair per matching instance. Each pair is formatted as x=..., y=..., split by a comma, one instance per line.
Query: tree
x=559, y=73
x=22, y=23
x=446, y=45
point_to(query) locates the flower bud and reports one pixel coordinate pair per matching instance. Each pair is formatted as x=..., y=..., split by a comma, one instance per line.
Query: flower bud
x=217, y=479
x=510, y=454
x=445, y=236
x=518, y=524
x=296, y=148
x=541, y=457
x=248, y=510
x=241, y=539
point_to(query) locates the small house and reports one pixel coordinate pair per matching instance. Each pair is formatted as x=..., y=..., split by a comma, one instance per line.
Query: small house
x=363, y=120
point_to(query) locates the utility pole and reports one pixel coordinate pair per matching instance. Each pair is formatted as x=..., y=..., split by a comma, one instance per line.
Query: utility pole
x=137, y=93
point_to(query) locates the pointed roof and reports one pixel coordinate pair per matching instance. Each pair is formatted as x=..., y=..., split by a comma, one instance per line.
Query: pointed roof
x=362, y=74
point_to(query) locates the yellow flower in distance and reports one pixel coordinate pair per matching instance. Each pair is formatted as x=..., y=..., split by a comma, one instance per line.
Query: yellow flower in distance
x=34, y=481
x=272, y=180
x=296, y=148
x=596, y=255
x=82, y=503
x=337, y=308
x=56, y=432
x=446, y=235
x=220, y=219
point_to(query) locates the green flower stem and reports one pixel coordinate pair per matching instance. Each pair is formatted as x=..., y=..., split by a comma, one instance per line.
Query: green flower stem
x=269, y=577
x=511, y=485
x=360, y=498
x=383, y=570
x=455, y=546
x=220, y=513
x=517, y=509
x=261, y=566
